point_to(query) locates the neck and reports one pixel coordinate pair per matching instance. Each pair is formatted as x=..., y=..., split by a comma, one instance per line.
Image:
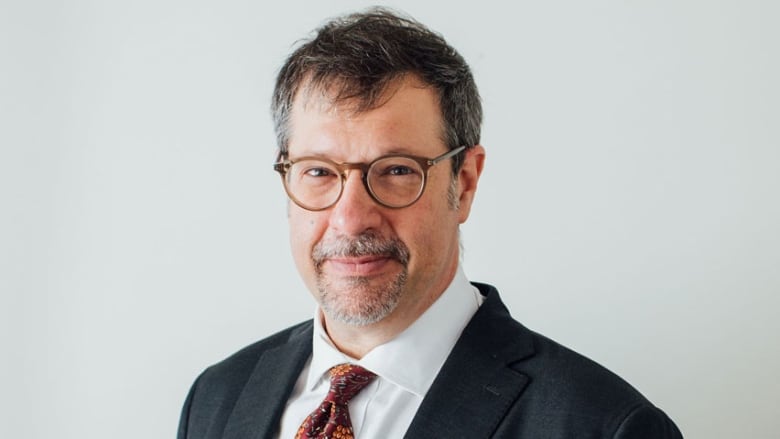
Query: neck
x=357, y=341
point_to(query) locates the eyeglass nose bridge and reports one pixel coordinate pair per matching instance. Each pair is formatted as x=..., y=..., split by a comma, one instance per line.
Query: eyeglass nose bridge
x=344, y=169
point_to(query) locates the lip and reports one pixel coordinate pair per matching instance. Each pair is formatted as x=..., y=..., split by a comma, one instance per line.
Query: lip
x=358, y=266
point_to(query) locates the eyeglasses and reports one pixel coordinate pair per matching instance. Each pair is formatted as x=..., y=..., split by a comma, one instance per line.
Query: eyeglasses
x=394, y=181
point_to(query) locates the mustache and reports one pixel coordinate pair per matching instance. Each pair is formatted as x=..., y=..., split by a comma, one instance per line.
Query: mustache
x=365, y=244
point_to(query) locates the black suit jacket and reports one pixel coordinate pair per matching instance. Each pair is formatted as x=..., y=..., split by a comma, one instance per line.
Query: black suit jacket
x=501, y=380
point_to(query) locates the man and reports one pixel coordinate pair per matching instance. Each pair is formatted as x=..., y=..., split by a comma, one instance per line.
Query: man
x=378, y=126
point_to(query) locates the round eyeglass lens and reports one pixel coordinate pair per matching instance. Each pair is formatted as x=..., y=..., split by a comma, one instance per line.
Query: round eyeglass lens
x=396, y=181
x=313, y=183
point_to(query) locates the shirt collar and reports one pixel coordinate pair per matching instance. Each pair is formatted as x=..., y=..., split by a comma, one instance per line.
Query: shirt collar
x=413, y=358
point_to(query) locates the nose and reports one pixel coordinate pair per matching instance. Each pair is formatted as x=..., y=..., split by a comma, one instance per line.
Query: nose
x=355, y=212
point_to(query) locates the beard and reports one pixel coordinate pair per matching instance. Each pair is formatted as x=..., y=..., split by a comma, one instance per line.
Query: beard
x=360, y=300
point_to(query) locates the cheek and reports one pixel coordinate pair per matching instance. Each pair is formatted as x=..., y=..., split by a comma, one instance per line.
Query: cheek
x=431, y=233
x=305, y=232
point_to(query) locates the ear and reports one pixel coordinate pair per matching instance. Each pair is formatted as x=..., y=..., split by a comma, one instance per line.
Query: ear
x=468, y=177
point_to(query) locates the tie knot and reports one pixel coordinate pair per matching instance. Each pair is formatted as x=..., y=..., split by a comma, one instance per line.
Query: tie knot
x=346, y=380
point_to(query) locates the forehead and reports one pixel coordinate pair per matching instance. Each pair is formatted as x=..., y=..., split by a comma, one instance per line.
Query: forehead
x=406, y=118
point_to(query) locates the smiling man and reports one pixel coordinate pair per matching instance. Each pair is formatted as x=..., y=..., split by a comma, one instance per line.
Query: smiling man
x=378, y=124
x=377, y=246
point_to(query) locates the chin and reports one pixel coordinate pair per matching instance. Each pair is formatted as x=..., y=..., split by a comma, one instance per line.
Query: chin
x=358, y=301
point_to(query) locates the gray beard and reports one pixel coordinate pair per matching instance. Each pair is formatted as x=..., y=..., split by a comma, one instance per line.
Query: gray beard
x=358, y=303
x=354, y=300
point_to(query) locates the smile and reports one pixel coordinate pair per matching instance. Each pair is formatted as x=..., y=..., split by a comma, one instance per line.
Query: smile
x=364, y=266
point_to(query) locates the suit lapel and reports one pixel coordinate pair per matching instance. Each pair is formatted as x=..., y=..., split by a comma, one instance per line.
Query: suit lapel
x=475, y=387
x=259, y=408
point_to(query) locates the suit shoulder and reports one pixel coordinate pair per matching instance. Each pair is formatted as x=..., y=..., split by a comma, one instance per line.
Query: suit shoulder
x=559, y=372
x=238, y=366
x=559, y=364
x=564, y=388
x=566, y=381
x=218, y=389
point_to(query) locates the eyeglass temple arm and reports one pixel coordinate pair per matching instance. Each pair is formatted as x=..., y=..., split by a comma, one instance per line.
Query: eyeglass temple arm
x=446, y=155
x=280, y=163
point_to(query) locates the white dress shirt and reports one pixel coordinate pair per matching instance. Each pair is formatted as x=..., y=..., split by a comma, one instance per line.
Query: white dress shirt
x=405, y=367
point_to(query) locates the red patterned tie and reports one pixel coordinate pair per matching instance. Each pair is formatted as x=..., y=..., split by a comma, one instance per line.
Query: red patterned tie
x=331, y=419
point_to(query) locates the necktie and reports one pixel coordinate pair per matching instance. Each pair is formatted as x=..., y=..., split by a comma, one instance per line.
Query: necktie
x=331, y=419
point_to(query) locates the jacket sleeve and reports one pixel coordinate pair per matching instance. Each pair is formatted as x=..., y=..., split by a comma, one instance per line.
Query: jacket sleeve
x=647, y=422
x=184, y=419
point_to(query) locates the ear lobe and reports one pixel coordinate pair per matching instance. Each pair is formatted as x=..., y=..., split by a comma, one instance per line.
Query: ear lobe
x=468, y=177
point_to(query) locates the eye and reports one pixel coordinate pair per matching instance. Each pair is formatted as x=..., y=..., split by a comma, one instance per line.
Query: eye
x=317, y=172
x=313, y=172
x=396, y=167
x=399, y=170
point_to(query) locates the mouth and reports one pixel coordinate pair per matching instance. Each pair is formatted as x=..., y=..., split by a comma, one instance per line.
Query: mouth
x=365, y=256
x=358, y=266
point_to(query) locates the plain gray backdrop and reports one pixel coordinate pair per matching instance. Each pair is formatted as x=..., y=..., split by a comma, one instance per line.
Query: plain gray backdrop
x=628, y=209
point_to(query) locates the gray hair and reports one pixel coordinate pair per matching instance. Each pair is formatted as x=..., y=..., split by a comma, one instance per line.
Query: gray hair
x=357, y=56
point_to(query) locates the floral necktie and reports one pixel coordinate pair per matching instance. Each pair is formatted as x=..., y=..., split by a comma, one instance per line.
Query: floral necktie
x=331, y=419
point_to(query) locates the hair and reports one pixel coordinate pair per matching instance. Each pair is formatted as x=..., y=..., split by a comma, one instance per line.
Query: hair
x=356, y=57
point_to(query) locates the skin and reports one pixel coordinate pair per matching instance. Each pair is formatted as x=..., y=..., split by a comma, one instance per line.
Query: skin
x=408, y=121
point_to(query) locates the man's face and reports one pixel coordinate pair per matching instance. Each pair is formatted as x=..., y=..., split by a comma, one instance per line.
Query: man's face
x=363, y=262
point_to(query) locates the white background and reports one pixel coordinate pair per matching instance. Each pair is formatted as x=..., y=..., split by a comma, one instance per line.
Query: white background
x=629, y=207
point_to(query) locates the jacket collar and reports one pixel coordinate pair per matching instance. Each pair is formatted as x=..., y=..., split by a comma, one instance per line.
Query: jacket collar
x=476, y=386
x=262, y=401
